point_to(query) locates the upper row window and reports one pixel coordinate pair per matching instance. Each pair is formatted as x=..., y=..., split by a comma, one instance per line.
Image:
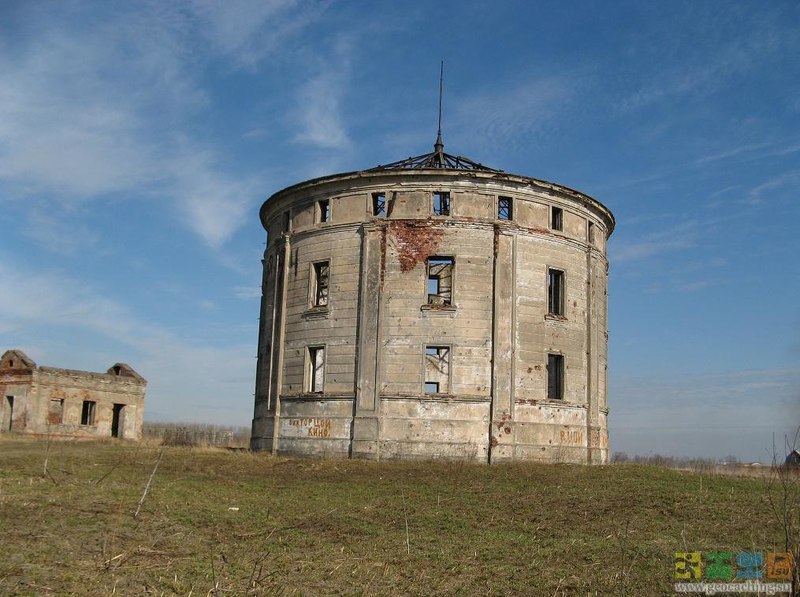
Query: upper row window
x=441, y=207
x=441, y=203
x=324, y=210
x=379, y=205
x=556, y=218
x=505, y=208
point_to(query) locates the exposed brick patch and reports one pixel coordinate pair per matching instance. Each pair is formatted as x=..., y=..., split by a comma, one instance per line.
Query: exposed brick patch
x=414, y=241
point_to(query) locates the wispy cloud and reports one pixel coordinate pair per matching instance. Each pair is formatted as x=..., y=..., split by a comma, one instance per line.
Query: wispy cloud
x=516, y=114
x=677, y=237
x=175, y=366
x=319, y=101
x=711, y=56
x=251, y=30
x=732, y=152
x=102, y=101
x=786, y=179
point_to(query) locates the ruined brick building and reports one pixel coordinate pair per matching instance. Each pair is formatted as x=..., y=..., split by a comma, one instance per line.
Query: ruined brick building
x=434, y=308
x=62, y=402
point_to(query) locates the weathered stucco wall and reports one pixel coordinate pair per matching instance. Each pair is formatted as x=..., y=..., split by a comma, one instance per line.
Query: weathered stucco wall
x=384, y=368
x=64, y=402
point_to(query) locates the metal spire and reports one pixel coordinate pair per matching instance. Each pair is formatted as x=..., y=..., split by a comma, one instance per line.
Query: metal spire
x=438, y=159
x=438, y=147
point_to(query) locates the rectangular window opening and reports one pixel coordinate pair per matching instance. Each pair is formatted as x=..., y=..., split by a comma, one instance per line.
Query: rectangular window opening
x=320, y=284
x=555, y=377
x=379, y=205
x=55, y=415
x=555, y=291
x=590, y=233
x=324, y=210
x=316, y=369
x=87, y=412
x=441, y=203
x=505, y=208
x=556, y=218
x=285, y=221
x=440, y=280
x=437, y=369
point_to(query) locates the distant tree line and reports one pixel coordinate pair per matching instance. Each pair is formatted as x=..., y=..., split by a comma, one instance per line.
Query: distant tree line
x=196, y=434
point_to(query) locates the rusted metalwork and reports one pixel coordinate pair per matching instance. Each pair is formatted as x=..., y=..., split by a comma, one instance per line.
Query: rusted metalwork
x=436, y=160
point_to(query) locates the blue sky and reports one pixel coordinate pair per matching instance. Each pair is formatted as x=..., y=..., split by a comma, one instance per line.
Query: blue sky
x=139, y=139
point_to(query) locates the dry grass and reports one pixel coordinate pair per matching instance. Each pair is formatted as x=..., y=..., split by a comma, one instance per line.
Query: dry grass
x=233, y=523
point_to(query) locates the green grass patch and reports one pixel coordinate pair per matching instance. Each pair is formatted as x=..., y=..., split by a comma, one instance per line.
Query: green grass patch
x=248, y=523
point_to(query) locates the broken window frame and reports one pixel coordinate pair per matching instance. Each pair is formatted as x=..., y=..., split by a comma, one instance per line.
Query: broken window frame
x=556, y=291
x=505, y=208
x=324, y=211
x=315, y=369
x=555, y=376
x=441, y=203
x=556, y=218
x=437, y=356
x=320, y=284
x=379, y=205
x=442, y=294
x=88, y=412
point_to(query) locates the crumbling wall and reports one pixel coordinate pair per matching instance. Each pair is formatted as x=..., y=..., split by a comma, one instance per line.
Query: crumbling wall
x=64, y=402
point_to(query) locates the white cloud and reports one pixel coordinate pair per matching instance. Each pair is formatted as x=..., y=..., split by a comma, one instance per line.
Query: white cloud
x=177, y=368
x=250, y=30
x=215, y=204
x=319, y=102
x=99, y=101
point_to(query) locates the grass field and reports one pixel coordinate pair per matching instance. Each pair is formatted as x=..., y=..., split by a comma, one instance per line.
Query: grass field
x=241, y=523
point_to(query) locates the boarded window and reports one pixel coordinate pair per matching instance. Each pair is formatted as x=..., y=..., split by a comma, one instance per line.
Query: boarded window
x=87, y=412
x=316, y=369
x=55, y=415
x=555, y=291
x=379, y=205
x=504, y=208
x=320, y=284
x=441, y=203
x=555, y=377
x=437, y=369
x=324, y=210
x=556, y=218
x=440, y=280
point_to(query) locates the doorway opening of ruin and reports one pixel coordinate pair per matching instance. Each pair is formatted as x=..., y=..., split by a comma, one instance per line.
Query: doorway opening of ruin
x=8, y=414
x=116, y=419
